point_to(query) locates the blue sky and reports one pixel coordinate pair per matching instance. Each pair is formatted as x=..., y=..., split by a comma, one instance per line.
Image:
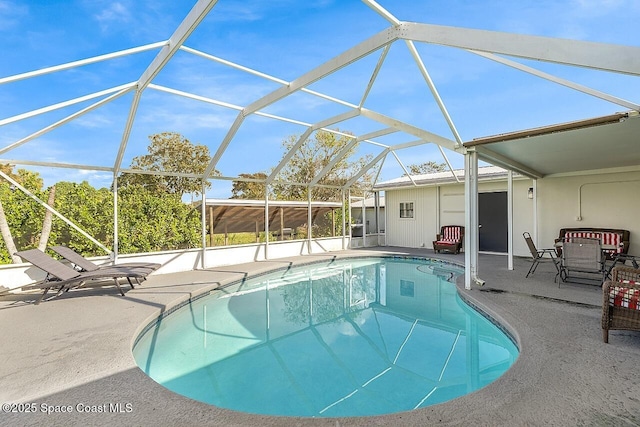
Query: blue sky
x=285, y=39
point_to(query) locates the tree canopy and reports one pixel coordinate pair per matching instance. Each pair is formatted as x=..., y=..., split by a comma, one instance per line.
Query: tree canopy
x=249, y=189
x=147, y=220
x=170, y=152
x=311, y=158
x=426, y=167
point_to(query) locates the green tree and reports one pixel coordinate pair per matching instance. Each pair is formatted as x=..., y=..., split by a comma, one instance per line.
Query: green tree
x=249, y=189
x=426, y=167
x=311, y=158
x=150, y=221
x=90, y=209
x=5, y=230
x=23, y=216
x=170, y=152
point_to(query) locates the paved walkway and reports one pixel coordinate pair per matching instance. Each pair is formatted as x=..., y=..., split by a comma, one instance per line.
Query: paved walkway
x=74, y=354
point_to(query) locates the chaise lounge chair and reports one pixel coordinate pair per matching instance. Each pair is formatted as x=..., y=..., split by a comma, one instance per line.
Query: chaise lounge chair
x=83, y=264
x=64, y=277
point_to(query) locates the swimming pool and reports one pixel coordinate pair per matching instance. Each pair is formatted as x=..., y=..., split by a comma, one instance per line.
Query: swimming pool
x=351, y=337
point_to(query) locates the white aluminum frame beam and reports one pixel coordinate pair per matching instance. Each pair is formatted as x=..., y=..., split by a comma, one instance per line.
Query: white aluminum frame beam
x=423, y=69
x=53, y=211
x=404, y=168
x=63, y=104
x=365, y=168
x=350, y=56
x=361, y=50
x=374, y=75
x=346, y=150
x=184, y=30
x=224, y=144
x=56, y=165
x=303, y=138
x=81, y=62
x=558, y=80
x=379, y=170
x=410, y=129
x=434, y=91
x=68, y=119
x=619, y=59
x=265, y=76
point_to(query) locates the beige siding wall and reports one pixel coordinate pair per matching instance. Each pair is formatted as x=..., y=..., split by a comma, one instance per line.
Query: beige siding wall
x=605, y=199
x=610, y=200
x=413, y=232
x=431, y=211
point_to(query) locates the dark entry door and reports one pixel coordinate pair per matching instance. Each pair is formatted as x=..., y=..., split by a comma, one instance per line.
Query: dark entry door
x=492, y=217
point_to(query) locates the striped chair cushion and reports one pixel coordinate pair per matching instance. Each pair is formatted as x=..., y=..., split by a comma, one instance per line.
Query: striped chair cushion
x=620, y=296
x=613, y=239
x=606, y=239
x=447, y=242
x=570, y=235
x=451, y=234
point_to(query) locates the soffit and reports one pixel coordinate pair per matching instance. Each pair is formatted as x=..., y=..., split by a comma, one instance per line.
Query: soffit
x=601, y=143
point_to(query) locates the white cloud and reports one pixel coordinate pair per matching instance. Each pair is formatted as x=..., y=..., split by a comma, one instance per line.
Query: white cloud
x=181, y=117
x=113, y=14
x=10, y=14
x=94, y=121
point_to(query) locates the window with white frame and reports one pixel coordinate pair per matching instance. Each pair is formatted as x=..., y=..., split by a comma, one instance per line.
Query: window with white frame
x=406, y=209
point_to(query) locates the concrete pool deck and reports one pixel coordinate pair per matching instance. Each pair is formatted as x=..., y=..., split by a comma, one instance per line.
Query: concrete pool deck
x=74, y=354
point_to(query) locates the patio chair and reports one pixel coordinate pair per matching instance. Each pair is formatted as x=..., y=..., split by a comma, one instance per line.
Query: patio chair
x=450, y=239
x=83, y=264
x=621, y=301
x=64, y=278
x=581, y=260
x=537, y=255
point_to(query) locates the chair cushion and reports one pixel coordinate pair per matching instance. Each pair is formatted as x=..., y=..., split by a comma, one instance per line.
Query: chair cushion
x=613, y=239
x=570, y=235
x=450, y=234
x=620, y=296
x=447, y=242
x=606, y=239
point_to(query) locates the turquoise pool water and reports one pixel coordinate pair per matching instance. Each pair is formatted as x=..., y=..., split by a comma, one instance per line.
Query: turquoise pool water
x=348, y=338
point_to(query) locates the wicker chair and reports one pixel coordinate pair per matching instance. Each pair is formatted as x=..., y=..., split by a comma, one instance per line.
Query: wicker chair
x=449, y=239
x=621, y=301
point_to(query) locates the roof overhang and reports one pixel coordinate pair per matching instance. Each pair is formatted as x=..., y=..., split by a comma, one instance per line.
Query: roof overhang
x=240, y=215
x=605, y=142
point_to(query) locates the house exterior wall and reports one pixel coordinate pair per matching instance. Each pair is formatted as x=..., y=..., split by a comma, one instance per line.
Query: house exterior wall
x=418, y=231
x=607, y=199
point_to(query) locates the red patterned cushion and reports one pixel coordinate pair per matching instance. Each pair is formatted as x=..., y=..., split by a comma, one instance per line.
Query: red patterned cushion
x=570, y=235
x=613, y=239
x=450, y=234
x=606, y=239
x=447, y=242
x=619, y=296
